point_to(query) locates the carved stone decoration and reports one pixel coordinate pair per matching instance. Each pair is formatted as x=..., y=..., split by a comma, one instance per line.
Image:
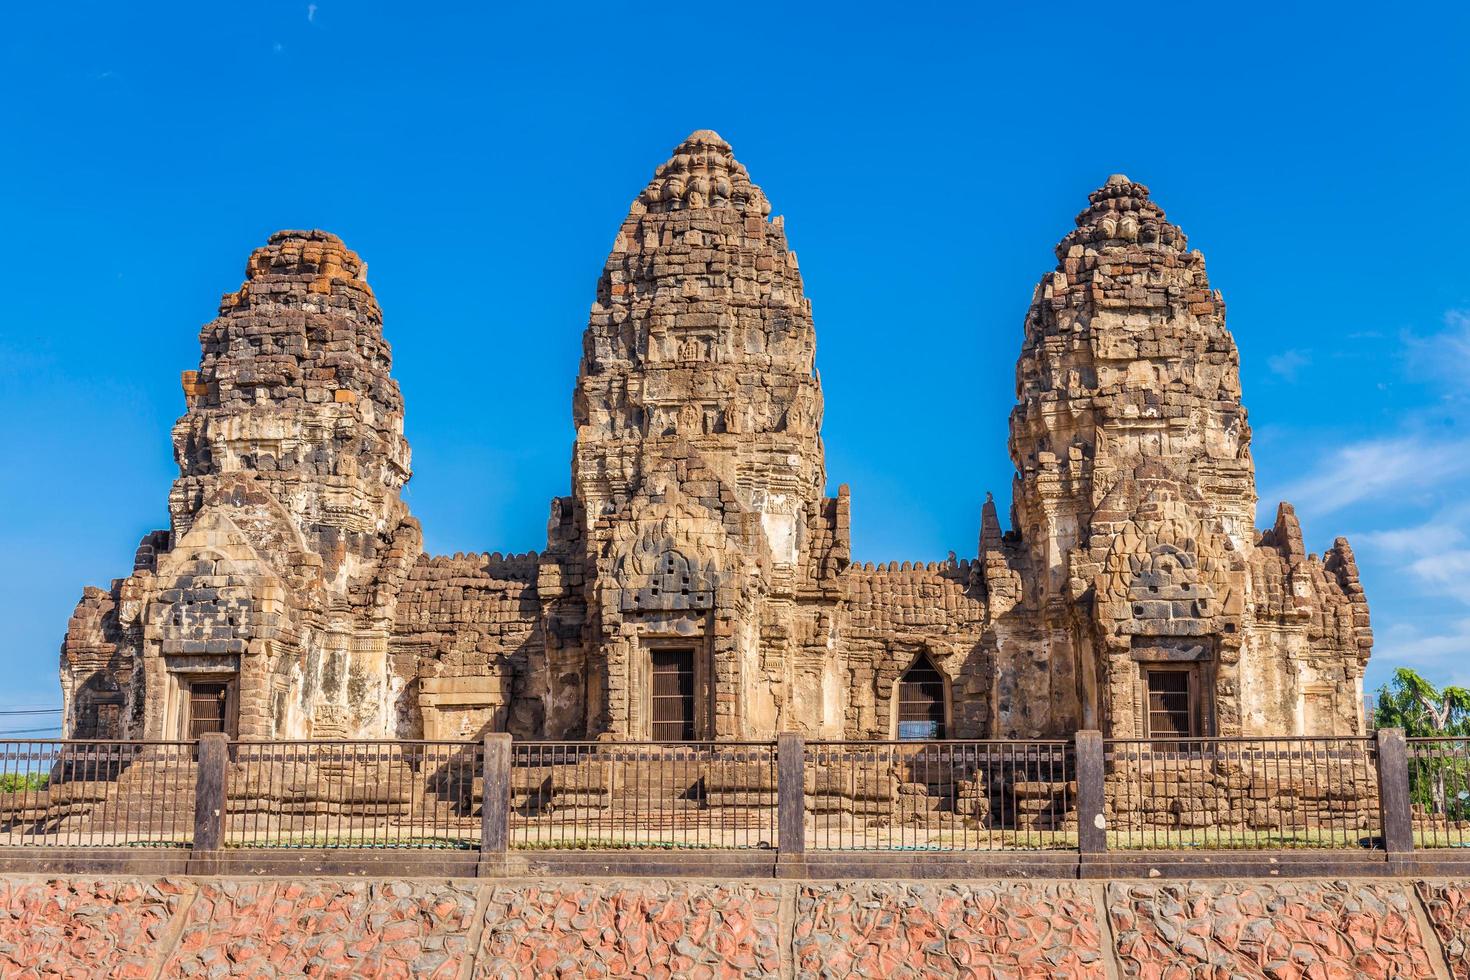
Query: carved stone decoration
x=698, y=529
x=674, y=584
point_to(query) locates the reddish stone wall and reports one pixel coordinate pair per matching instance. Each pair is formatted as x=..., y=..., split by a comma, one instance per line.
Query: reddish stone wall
x=619, y=929
x=1283, y=929
x=1448, y=904
x=177, y=927
x=884, y=929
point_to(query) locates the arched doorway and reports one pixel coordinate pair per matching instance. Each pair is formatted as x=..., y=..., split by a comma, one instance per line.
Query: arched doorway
x=921, y=701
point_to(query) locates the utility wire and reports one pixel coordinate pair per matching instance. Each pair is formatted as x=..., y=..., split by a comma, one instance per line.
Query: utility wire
x=31, y=731
x=31, y=711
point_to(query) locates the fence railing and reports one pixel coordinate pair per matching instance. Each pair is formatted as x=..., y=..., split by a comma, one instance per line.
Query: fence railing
x=603, y=795
x=940, y=796
x=353, y=794
x=1439, y=791
x=794, y=797
x=97, y=793
x=1242, y=793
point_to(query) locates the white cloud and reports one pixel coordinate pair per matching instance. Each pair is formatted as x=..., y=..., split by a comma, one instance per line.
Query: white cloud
x=1445, y=529
x=1378, y=469
x=1446, y=572
x=1288, y=363
x=1443, y=356
x=311, y=13
x=1441, y=653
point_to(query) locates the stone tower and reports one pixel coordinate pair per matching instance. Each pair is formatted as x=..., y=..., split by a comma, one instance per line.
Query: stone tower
x=698, y=467
x=273, y=592
x=1135, y=491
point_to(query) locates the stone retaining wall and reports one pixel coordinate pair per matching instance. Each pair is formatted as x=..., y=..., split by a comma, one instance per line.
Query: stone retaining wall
x=222, y=927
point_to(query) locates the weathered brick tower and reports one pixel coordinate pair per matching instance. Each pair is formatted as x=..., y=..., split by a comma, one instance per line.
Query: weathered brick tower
x=697, y=580
x=698, y=476
x=267, y=605
x=1135, y=501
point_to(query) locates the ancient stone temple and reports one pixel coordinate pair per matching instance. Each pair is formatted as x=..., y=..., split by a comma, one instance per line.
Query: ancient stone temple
x=697, y=580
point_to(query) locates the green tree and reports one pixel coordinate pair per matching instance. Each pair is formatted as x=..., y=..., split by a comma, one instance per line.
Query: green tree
x=1412, y=703
x=20, y=782
x=1437, y=775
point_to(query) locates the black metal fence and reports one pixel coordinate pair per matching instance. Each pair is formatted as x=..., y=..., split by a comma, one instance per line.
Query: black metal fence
x=612, y=796
x=353, y=794
x=1242, y=793
x=1439, y=791
x=1085, y=795
x=940, y=796
x=97, y=793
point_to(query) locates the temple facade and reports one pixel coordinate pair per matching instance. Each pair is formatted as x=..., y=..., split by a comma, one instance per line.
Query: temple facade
x=697, y=580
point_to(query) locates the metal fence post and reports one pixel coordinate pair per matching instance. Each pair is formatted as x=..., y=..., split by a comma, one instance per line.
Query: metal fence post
x=790, y=805
x=1393, y=791
x=495, y=803
x=209, y=802
x=1092, y=826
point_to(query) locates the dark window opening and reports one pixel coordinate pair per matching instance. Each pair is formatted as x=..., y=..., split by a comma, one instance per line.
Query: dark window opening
x=207, y=708
x=921, y=702
x=99, y=719
x=673, y=695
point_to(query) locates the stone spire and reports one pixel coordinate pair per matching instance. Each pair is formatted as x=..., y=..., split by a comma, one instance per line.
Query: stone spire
x=1126, y=358
x=703, y=173
x=698, y=474
x=294, y=393
x=701, y=346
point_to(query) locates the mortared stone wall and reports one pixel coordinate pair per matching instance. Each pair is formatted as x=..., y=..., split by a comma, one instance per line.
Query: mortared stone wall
x=220, y=927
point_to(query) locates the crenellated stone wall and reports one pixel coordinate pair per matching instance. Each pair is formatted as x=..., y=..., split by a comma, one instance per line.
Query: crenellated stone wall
x=223, y=927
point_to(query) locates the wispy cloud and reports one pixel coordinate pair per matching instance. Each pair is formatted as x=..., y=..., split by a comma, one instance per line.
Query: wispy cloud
x=1402, y=495
x=1441, y=652
x=311, y=13
x=1288, y=363
x=1445, y=572
x=1377, y=469
x=1443, y=356
x=1447, y=528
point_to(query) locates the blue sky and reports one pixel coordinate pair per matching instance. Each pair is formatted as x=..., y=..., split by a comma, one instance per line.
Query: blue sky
x=927, y=159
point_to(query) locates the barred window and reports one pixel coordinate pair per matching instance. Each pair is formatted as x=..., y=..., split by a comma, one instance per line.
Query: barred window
x=921, y=701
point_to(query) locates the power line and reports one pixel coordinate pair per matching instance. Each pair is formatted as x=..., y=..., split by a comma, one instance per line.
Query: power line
x=31, y=711
x=31, y=731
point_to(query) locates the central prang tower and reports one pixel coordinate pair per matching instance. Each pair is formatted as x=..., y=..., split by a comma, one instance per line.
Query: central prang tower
x=698, y=472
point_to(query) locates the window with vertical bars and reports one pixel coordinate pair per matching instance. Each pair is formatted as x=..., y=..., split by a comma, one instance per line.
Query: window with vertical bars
x=673, y=695
x=207, y=708
x=921, y=702
x=1171, y=710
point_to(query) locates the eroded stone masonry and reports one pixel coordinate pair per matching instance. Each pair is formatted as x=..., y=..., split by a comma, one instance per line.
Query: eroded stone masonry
x=697, y=581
